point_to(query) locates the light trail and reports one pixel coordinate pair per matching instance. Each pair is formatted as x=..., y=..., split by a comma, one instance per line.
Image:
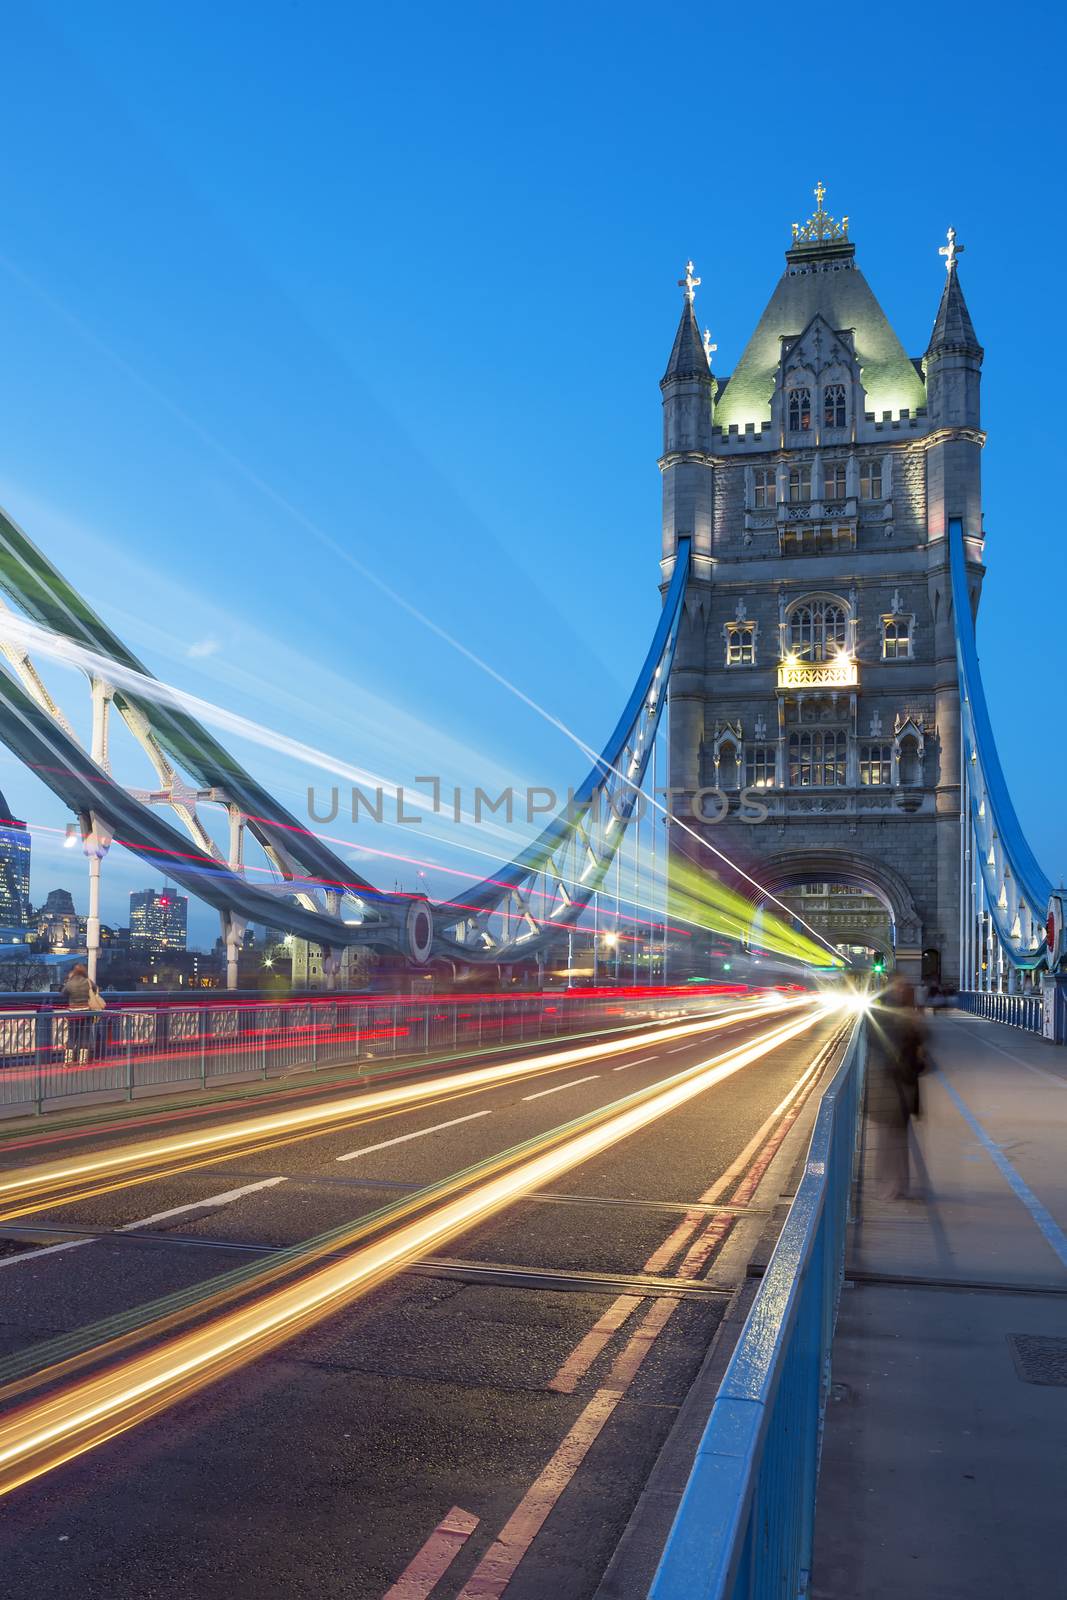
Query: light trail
x=50, y=1184
x=69, y=1421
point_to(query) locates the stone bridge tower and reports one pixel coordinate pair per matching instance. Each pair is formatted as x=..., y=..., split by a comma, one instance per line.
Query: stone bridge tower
x=815, y=684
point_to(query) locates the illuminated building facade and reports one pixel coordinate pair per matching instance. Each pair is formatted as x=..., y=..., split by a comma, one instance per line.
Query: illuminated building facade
x=158, y=921
x=815, y=680
x=14, y=869
x=58, y=927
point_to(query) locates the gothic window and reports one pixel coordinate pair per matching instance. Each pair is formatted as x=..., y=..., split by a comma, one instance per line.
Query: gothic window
x=876, y=765
x=871, y=480
x=759, y=766
x=833, y=406
x=799, y=483
x=799, y=409
x=817, y=630
x=740, y=644
x=817, y=758
x=896, y=638
x=766, y=490
x=834, y=480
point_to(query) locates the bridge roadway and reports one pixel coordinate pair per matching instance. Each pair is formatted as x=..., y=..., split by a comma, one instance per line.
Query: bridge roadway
x=324, y=1467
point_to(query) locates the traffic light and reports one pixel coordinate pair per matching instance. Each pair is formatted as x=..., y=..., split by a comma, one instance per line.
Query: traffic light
x=878, y=966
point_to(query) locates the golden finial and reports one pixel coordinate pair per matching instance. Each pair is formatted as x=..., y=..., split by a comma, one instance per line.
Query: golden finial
x=820, y=228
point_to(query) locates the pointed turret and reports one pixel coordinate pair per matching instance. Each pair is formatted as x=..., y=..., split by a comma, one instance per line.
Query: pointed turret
x=953, y=367
x=688, y=400
x=953, y=357
x=688, y=356
x=953, y=329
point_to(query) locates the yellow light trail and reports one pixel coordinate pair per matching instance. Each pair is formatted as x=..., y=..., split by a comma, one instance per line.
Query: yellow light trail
x=68, y=1422
x=61, y=1183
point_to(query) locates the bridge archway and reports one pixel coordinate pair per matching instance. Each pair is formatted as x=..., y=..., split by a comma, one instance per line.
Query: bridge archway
x=827, y=865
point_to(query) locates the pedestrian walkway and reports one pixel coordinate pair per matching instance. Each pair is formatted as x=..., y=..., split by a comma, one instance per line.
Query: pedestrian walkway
x=944, y=1469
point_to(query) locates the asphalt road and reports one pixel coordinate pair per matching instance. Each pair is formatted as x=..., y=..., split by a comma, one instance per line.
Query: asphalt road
x=323, y=1468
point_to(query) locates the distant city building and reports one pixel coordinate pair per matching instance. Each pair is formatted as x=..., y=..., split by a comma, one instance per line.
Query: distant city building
x=158, y=919
x=14, y=869
x=57, y=924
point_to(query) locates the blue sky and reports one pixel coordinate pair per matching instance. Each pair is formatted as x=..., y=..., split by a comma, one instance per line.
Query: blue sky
x=290, y=294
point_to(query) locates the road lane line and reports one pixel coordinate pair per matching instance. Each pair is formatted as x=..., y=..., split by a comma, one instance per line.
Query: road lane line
x=585, y=1353
x=676, y=1049
x=573, y=1084
x=428, y=1567
x=497, y=1567
x=193, y=1205
x=1052, y=1233
x=642, y=1061
x=86, y=1412
x=49, y=1250
x=420, y=1133
x=146, y=1222
x=212, y=1141
x=495, y=1571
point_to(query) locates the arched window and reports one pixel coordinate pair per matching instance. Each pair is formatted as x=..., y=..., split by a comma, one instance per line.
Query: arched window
x=765, y=484
x=817, y=758
x=799, y=409
x=818, y=629
x=833, y=405
x=740, y=644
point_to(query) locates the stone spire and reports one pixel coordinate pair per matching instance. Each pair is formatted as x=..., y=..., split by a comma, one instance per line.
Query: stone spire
x=953, y=331
x=688, y=356
x=688, y=413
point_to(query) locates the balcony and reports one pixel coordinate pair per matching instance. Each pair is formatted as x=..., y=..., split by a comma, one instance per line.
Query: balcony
x=842, y=672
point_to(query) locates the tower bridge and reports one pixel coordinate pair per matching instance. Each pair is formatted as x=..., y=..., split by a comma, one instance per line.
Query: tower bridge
x=830, y=490
x=813, y=672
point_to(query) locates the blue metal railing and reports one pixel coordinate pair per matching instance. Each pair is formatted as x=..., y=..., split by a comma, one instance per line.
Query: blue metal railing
x=747, y=1517
x=1014, y=1010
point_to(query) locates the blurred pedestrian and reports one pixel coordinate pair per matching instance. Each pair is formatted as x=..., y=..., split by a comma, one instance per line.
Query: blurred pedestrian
x=896, y=1059
x=79, y=990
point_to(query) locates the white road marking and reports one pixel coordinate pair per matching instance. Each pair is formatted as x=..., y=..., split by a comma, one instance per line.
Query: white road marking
x=572, y=1084
x=49, y=1250
x=146, y=1222
x=420, y=1133
x=678, y=1047
x=642, y=1060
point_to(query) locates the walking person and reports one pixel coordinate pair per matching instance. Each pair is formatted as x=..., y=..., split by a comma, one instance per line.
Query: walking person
x=896, y=1058
x=84, y=1000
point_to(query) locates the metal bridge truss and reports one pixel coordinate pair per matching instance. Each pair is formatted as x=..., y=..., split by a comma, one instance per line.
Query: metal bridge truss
x=518, y=911
x=556, y=878
x=1005, y=896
